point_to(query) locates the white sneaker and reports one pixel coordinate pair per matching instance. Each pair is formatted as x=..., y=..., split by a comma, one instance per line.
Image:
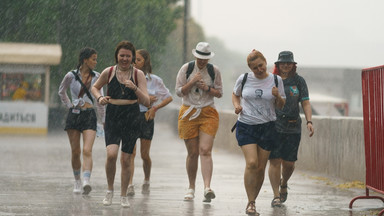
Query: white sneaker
x=209, y=194
x=131, y=190
x=77, y=187
x=86, y=187
x=189, y=195
x=124, y=202
x=145, y=187
x=108, y=198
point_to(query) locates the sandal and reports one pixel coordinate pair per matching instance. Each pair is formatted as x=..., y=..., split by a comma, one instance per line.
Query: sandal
x=276, y=202
x=283, y=196
x=208, y=195
x=251, y=209
x=189, y=195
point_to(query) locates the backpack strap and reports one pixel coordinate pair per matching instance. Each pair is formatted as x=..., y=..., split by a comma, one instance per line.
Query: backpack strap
x=191, y=65
x=110, y=72
x=82, y=85
x=210, y=69
x=135, y=81
x=109, y=76
x=242, y=86
x=276, y=82
x=211, y=72
x=243, y=83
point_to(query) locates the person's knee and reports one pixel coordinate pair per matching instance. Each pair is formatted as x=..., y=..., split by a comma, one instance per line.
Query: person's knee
x=288, y=165
x=193, y=155
x=76, y=153
x=275, y=163
x=205, y=151
x=252, y=165
x=87, y=152
x=145, y=157
x=111, y=158
x=125, y=160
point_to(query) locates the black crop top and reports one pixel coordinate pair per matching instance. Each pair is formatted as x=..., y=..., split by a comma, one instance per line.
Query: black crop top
x=118, y=91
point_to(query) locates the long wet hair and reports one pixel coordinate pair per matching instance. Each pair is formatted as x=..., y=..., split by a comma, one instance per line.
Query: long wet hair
x=147, y=67
x=125, y=45
x=85, y=53
x=291, y=73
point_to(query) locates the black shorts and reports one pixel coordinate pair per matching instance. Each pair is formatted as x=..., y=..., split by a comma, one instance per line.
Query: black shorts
x=122, y=125
x=80, y=120
x=264, y=135
x=287, y=147
x=146, y=127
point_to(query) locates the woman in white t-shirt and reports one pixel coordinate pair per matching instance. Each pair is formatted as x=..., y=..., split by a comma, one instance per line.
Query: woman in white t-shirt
x=255, y=99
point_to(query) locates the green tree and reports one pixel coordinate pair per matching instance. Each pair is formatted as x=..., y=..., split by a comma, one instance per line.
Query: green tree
x=95, y=23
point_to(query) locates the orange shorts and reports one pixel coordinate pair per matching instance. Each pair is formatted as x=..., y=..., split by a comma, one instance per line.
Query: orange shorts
x=207, y=122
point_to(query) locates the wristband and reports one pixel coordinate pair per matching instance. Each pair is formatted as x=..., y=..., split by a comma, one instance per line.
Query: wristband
x=99, y=98
x=209, y=89
x=309, y=122
x=155, y=108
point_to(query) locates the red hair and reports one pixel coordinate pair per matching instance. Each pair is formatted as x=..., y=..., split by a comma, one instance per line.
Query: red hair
x=254, y=55
x=277, y=71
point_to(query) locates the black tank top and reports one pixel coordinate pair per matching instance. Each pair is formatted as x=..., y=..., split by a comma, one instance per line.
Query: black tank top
x=118, y=91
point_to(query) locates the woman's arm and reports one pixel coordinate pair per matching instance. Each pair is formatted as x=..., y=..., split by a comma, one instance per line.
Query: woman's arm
x=96, y=88
x=236, y=103
x=141, y=88
x=280, y=102
x=308, y=116
x=151, y=111
x=63, y=91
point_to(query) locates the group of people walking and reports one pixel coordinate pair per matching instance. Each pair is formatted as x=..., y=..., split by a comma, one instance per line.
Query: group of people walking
x=267, y=104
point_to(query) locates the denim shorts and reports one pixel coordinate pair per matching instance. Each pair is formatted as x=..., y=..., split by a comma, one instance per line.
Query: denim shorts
x=287, y=146
x=81, y=119
x=264, y=135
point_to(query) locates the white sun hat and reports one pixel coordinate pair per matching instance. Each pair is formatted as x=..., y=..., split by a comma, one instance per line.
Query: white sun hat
x=203, y=51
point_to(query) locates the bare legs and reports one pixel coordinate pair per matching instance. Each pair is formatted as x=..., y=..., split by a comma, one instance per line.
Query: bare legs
x=110, y=168
x=145, y=146
x=274, y=173
x=74, y=141
x=110, y=165
x=256, y=160
x=280, y=169
x=199, y=146
x=88, y=140
x=125, y=161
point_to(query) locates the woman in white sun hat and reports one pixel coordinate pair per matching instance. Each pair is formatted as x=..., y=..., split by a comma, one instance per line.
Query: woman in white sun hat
x=197, y=83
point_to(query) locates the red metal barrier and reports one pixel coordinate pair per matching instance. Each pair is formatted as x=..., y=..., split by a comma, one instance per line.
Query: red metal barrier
x=373, y=114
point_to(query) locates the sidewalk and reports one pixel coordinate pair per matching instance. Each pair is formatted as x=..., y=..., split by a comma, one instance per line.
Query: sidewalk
x=36, y=179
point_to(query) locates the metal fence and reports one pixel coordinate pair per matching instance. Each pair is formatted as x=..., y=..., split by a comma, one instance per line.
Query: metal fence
x=373, y=114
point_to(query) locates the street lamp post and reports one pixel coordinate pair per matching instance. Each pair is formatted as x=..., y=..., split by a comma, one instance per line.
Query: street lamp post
x=185, y=31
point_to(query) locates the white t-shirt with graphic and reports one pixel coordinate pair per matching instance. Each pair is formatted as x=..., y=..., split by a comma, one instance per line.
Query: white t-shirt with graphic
x=257, y=100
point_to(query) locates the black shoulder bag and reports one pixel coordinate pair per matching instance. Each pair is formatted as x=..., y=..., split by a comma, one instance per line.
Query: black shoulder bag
x=83, y=85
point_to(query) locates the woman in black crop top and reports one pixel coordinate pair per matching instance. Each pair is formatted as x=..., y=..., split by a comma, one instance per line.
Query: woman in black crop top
x=126, y=86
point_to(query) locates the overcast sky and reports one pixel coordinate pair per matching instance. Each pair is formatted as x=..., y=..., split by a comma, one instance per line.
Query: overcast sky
x=341, y=33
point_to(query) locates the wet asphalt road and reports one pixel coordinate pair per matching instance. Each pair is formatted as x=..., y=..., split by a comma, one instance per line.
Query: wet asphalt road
x=36, y=179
